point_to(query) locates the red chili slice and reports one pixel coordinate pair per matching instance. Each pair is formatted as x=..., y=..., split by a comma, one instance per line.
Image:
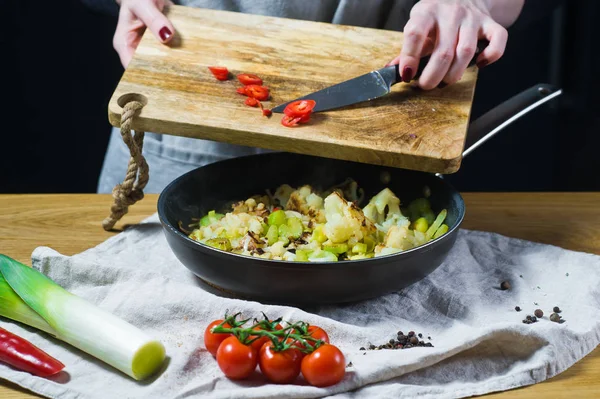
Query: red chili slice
x=290, y=121
x=249, y=79
x=259, y=92
x=252, y=102
x=25, y=356
x=300, y=108
x=242, y=90
x=219, y=72
x=267, y=112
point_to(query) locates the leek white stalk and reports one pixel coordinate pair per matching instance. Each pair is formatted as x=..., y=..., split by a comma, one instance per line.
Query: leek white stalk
x=79, y=322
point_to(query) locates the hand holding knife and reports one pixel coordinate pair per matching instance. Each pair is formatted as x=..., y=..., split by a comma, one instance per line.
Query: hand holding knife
x=366, y=87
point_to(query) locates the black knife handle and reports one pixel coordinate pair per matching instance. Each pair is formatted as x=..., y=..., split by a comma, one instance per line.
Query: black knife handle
x=481, y=45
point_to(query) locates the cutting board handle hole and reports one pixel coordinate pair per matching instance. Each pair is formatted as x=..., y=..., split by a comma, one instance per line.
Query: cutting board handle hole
x=125, y=98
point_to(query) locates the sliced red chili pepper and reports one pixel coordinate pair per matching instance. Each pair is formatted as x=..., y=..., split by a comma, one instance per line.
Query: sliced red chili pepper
x=249, y=79
x=267, y=112
x=221, y=73
x=252, y=102
x=304, y=118
x=23, y=355
x=290, y=121
x=259, y=92
x=299, y=107
x=242, y=90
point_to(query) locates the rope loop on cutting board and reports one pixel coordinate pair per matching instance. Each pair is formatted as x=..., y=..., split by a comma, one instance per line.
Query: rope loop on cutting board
x=131, y=190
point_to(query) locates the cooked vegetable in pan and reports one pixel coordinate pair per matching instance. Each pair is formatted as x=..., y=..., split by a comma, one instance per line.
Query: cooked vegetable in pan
x=300, y=224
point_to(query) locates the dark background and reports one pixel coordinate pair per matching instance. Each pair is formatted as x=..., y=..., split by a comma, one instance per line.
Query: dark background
x=60, y=69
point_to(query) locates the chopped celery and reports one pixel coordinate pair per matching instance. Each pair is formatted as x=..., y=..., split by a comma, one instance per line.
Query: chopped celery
x=361, y=256
x=336, y=248
x=370, y=244
x=421, y=225
x=322, y=256
x=265, y=228
x=359, y=248
x=302, y=255
x=210, y=218
x=295, y=227
x=219, y=243
x=272, y=235
x=277, y=218
x=441, y=231
x=284, y=231
x=436, y=224
x=319, y=234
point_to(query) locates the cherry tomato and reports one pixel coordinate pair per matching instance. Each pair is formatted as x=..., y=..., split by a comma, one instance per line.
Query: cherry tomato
x=249, y=79
x=252, y=102
x=299, y=108
x=324, y=367
x=279, y=367
x=236, y=360
x=317, y=333
x=261, y=93
x=212, y=340
x=290, y=121
x=221, y=73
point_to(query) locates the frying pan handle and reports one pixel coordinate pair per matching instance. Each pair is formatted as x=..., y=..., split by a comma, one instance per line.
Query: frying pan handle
x=496, y=119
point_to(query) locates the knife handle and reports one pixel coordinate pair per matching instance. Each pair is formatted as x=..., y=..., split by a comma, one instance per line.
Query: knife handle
x=481, y=45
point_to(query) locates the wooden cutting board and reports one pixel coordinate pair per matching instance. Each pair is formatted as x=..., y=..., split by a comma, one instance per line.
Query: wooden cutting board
x=409, y=128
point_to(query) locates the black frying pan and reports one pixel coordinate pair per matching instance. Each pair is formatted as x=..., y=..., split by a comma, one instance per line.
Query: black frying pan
x=217, y=185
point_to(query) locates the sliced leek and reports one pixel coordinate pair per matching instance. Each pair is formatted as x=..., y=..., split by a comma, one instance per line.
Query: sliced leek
x=77, y=321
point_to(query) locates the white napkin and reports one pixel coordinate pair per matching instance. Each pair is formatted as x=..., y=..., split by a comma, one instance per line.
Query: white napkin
x=480, y=342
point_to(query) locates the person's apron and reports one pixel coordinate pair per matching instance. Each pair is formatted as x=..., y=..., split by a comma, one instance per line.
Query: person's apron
x=169, y=156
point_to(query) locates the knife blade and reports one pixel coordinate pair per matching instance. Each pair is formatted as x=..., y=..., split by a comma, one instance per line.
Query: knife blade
x=366, y=87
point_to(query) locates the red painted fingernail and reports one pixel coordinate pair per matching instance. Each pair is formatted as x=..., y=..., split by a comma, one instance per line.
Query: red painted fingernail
x=164, y=33
x=407, y=74
x=482, y=63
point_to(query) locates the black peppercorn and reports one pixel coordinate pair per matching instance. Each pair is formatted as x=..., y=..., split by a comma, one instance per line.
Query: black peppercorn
x=400, y=333
x=538, y=313
x=411, y=333
x=555, y=317
x=528, y=317
x=392, y=341
x=556, y=309
x=362, y=348
x=414, y=340
x=518, y=309
x=420, y=335
x=505, y=285
x=533, y=319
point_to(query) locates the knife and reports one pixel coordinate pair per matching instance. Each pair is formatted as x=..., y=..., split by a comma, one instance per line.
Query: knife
x=366, y=87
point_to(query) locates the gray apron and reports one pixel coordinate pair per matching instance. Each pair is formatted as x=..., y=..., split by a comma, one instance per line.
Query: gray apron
x=169, y=156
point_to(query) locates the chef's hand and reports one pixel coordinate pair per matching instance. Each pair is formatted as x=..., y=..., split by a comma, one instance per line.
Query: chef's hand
x=134, y=17
x=448, y=30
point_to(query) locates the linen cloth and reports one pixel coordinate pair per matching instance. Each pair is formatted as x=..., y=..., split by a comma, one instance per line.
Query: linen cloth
x=480, y=342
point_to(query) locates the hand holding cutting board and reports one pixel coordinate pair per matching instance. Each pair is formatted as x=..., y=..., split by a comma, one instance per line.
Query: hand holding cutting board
x=446, y=30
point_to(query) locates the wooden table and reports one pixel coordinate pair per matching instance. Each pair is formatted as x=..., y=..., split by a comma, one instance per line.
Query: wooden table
x=72, y=223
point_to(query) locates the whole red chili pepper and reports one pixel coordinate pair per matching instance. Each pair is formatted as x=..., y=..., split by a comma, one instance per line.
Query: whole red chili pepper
x=25, y=356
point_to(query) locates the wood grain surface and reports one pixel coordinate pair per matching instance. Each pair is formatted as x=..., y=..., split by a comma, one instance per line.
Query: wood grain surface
x=408, y=128
x=72, y=223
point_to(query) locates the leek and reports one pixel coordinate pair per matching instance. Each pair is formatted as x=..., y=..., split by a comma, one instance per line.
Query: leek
x=12, y=307
x=77, y=321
